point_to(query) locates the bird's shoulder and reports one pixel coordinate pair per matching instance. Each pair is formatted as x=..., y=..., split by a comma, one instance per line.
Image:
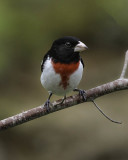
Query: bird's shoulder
x=82, y=61
x=46, y=56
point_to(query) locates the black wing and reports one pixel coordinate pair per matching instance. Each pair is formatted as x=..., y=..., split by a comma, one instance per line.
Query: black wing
x=82, y=61
x=43, y=61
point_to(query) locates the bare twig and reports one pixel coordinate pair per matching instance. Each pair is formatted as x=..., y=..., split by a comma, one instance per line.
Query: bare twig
x=125, y=65
x=117, y=85
x=105, y=114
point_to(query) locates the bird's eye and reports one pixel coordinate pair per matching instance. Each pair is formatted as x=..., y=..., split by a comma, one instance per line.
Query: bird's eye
x=68, y=44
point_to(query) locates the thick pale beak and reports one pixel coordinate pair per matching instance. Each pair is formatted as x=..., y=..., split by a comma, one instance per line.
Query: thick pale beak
x=80, y=47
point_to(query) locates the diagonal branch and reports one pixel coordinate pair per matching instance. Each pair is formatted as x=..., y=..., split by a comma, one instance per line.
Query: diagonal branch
x=117, y=85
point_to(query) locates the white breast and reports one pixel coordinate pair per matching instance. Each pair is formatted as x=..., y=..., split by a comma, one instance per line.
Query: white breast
x=51, y=80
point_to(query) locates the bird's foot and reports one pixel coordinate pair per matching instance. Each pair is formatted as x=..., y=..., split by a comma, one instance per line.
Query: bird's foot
x=81, y=93
x=47, y=106
x=62, y=101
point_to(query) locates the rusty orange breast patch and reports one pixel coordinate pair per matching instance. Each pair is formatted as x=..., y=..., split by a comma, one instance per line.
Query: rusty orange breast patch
x=65, y=70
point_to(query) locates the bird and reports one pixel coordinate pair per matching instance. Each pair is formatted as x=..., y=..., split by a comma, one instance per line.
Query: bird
x=62, y=68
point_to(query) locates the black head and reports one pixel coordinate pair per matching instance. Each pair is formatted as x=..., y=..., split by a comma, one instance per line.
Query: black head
x=67, y=49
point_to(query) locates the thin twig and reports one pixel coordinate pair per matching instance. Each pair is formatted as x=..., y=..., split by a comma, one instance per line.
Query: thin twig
x=125, y=65
x=105, y=114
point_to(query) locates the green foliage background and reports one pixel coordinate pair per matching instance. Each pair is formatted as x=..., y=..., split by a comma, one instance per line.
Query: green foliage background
x=27, y=30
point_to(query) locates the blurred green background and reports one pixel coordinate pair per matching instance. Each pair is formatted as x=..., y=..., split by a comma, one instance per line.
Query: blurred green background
x=27, y=30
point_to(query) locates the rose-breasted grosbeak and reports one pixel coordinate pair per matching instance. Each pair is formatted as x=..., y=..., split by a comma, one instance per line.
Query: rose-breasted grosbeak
x=62, y=67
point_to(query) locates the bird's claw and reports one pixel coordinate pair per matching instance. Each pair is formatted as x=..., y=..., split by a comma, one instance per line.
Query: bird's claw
x=47, y=106
x=62, y=100
x=81, y=93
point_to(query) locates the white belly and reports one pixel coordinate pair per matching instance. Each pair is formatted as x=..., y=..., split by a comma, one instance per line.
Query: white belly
x=51, y=80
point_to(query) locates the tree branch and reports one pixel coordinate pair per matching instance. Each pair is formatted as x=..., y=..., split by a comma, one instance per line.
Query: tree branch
x=117, y=85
